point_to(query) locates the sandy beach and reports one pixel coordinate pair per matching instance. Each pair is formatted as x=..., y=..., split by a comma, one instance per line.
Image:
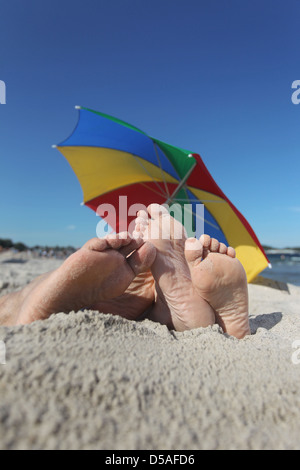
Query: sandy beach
x=86, y=380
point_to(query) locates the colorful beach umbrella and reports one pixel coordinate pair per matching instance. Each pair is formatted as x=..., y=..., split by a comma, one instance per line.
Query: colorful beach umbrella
x=112, y=158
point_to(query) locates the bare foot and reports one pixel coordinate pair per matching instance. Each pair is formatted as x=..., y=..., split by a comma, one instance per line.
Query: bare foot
x=135, y=301
x=101, y=270
x=220, y=279
x=178, y=303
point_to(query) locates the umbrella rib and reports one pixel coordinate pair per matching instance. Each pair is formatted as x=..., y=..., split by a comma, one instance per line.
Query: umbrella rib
x=182, y=183
x=194, y=213
x=203, y=218
x=146, y=171
x=151, y=189
x=161, y=170
x=202, y=200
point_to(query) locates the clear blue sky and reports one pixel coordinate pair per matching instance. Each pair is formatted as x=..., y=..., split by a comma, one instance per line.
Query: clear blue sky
x=212, y=76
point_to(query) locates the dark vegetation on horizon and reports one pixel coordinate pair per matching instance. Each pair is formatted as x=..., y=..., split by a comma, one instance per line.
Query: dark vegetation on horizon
x=7, y=243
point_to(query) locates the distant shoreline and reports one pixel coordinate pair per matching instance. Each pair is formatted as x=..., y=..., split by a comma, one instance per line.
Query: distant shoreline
x=6, y=243
x=283, y=251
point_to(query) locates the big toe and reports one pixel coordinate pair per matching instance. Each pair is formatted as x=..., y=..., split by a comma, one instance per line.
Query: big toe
x=142, y=259
x=164, y=225
x=193, y=251
x=156, y=210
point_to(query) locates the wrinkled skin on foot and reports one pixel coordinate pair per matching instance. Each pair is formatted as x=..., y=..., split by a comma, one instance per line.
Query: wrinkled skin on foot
x=134, y=302
x=101, y=270
x=198, y=282
x=220, y=279
x=177, y=304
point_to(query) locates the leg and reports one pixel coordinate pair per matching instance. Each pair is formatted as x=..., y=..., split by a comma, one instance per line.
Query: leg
x=138, y=298
x=101, y=270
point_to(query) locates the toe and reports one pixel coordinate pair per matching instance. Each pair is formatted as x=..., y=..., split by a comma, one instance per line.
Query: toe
x=205, y=241
x=142, y=221
x=121, y=236
x=95, y=244
x=143, y=214
x=117, y=240
x=231, y=252
x=134, y=244
x=137, y=234
x=112, y=241
x=142, y=259
x=124, y=242
x=214, y=245
x=193, y=250
x=156, y=210
x=140, y=225
x=223, y=249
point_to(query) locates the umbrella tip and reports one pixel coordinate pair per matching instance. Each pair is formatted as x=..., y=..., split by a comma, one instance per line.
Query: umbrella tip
x=82, y=203
x=77, y=107
x=190, y=155
x=270, y=266
x=54, y=146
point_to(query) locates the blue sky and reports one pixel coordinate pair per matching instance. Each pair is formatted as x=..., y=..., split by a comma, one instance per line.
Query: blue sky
x=214, y=77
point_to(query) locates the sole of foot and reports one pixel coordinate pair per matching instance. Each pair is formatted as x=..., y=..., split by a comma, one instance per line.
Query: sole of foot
x=220, y=279
x=178, y=304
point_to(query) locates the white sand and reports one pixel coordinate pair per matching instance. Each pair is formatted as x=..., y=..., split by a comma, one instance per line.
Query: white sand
x=93, y=381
